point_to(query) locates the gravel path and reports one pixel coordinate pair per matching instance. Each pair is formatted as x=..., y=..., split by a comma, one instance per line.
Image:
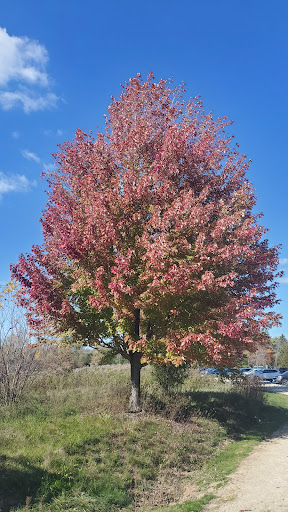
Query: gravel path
x=260, y=484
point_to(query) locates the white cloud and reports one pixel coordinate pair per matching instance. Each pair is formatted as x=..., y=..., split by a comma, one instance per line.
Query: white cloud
x=22, y=59
x=28, y=100
x=14, y=183
x=31, y=156
x=15, y=134
x=23, y=74
x=283, y=261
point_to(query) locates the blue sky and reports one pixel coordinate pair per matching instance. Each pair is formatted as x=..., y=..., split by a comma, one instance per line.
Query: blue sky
x=61, y=61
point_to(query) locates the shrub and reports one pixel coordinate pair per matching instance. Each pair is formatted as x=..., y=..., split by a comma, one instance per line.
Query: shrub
x=171, y=377
x=251, y=388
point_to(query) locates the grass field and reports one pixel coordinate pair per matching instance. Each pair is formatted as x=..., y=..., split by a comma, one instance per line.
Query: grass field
x=69, y=444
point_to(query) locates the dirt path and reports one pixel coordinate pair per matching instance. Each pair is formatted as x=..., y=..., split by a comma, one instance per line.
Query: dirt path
x=260, y=484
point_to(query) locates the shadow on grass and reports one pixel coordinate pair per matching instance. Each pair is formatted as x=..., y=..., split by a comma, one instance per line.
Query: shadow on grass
x=21, y=483
x=241, y=416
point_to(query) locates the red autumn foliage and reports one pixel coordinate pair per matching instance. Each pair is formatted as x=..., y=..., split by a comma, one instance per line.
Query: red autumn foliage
x=151, y=244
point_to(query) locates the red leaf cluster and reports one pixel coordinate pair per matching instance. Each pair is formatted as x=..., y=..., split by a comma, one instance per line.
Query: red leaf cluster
x=153, y=220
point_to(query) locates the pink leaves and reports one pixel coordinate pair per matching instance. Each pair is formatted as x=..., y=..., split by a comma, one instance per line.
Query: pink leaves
x=207, y=282
x=154, y=215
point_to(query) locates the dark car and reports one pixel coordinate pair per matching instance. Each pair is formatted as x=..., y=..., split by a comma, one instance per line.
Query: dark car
x=282, y=379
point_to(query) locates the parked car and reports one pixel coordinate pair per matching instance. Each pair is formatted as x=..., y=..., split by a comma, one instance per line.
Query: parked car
x=282, y=379
x=210, y=371
x=221, y=372
x=230, y=372
x=269, y=374
x=245, y=370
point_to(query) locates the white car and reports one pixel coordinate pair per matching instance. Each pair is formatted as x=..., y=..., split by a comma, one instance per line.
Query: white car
x=269, y=374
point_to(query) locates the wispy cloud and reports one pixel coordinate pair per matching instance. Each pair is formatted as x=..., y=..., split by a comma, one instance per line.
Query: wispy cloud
x=283, y=261
x=24, y=80
x=48, y=167
x=29, y=101
x=283, y=279
x=52, y=133
x=15, y=134
x=31, y=156
x=14, y=183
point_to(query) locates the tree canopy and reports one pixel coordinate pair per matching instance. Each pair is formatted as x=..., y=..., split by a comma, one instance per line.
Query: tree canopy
x=151, y=244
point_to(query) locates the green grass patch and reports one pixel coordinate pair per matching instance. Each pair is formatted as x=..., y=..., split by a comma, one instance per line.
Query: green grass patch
x=69, y=445
x=188, y=506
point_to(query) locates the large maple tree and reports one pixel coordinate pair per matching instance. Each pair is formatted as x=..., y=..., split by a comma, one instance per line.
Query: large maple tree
x=151, y=244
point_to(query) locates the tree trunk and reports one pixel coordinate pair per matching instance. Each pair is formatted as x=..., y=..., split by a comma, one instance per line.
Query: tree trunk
x=135, y=365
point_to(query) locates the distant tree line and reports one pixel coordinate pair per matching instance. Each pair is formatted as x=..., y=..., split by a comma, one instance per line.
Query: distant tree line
x=273, y=353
